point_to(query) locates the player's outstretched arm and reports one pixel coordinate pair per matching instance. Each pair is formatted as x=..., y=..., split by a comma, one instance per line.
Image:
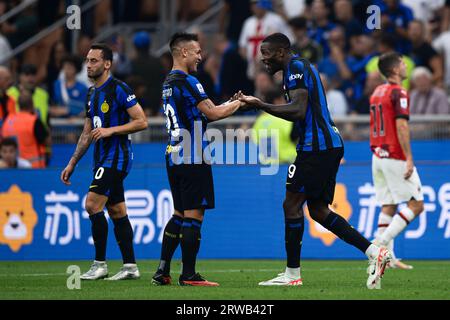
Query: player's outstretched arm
x=138, y=123
x=83, y=144
x=293, y=111
x=213, y=112
x=404, y=140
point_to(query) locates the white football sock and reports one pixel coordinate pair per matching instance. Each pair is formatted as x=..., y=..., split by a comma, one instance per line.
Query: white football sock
x=384, y=220
x=398, y=224
x=372, y=251
x=292, y=273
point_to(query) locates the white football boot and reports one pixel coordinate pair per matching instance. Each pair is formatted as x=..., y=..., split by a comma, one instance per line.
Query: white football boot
x=291, y=277
x=98, y=270
x=376, y=268
x=129, y=271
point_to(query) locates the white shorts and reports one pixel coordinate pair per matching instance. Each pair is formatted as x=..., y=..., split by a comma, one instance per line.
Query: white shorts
x=390, y=185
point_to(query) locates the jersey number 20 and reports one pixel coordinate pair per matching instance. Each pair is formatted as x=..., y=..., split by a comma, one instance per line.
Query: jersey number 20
x=171, y=121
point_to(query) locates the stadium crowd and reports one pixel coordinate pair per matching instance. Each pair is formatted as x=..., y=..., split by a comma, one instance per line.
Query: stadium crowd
x=334, y=35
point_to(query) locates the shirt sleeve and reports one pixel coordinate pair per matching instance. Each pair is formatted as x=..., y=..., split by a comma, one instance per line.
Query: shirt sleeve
x=296, y=77
x=125, y=96
x=196, y=90
x=400, y=101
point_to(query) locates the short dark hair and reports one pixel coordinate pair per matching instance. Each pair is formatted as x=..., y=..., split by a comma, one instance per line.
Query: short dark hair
x=179, y=37
x=73, y=60
x=387, y=62
x=28, y=69
x=107, y=53
x=9, y=142
x=279, y=40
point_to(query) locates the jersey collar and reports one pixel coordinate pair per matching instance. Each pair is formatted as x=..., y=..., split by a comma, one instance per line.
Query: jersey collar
x=105, y=84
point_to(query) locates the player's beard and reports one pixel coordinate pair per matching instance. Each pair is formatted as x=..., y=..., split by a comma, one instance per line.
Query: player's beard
x=95, y=75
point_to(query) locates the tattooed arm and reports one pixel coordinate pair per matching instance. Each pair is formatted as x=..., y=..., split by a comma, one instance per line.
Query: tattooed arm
x=83, y=144
x=213, y=112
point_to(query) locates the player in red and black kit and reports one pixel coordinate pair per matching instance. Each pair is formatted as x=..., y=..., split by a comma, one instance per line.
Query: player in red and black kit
x=395, y=178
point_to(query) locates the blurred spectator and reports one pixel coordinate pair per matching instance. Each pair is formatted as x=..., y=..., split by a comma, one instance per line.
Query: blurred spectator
x=5, y=50
x=26, y=127
x=190, y=9
x=48, y=11
x=166, y=62
x=343, y=12
x=232, y=17
x=424, y=10
x=337, y=104
x=362, y=105
x=232, y=75
x=427, y=98
x=291, y=8
x=22, y=27
x=303, y=45
x=362, y=50
x=445, y=19
x=263, y=84
x=442, y=45
x=121, y=67
x=83, y=47
x=333, y=65
x=423, y=53
x=387, y=45
x=125, y=11
x=150, y=70
x=54, y=66
x=27, y=81
x=69, y=94
x=256, y=28
x=322, y=26
x=9, y=156
x=395, y=18
x=7, y=104
x=284, y=150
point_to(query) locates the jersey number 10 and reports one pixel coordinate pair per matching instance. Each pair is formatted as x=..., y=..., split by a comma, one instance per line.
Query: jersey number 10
x=377, y=111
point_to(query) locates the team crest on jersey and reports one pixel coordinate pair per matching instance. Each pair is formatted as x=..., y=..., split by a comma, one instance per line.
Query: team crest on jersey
x=104, y=107
x=340, y=205
x=404, y=103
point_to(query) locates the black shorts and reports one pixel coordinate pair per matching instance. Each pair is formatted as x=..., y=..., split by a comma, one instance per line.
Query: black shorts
x=191, y=185
x=314, y=174
x=109, y=182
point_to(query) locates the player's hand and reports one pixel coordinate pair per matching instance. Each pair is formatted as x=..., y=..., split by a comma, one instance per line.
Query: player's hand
x=250, y=101
x=66, y=173
x=409, y=169
x=100, y=133
x=236, y=96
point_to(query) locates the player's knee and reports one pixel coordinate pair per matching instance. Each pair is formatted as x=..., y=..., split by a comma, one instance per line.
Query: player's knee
x=92, y=207
x=290, y=211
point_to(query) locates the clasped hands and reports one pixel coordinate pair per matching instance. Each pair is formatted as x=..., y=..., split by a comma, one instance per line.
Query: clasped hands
x=247, y=102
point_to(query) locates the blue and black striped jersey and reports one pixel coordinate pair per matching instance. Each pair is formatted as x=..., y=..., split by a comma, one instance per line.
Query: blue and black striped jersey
x=107, y=107
x=181, y=94
x=317, y=131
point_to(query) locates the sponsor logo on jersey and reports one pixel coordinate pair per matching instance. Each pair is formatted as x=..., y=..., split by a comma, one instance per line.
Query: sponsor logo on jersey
x=200, y=88
x=295, y=76
x=404, y=103
x=97, y=122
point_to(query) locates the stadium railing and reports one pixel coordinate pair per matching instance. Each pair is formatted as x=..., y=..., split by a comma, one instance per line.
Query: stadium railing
x=352, y=128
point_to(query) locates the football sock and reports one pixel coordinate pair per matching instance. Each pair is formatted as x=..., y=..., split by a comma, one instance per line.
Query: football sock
x=190, y=244
x=170, y=242
x=398, y=224
x=384, y=220
x=124, y=237
x=340, y=227
x=293, y=240
x=99, y=229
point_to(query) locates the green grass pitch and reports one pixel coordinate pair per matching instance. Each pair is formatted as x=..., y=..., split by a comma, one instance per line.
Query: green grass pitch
x=238, y=280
